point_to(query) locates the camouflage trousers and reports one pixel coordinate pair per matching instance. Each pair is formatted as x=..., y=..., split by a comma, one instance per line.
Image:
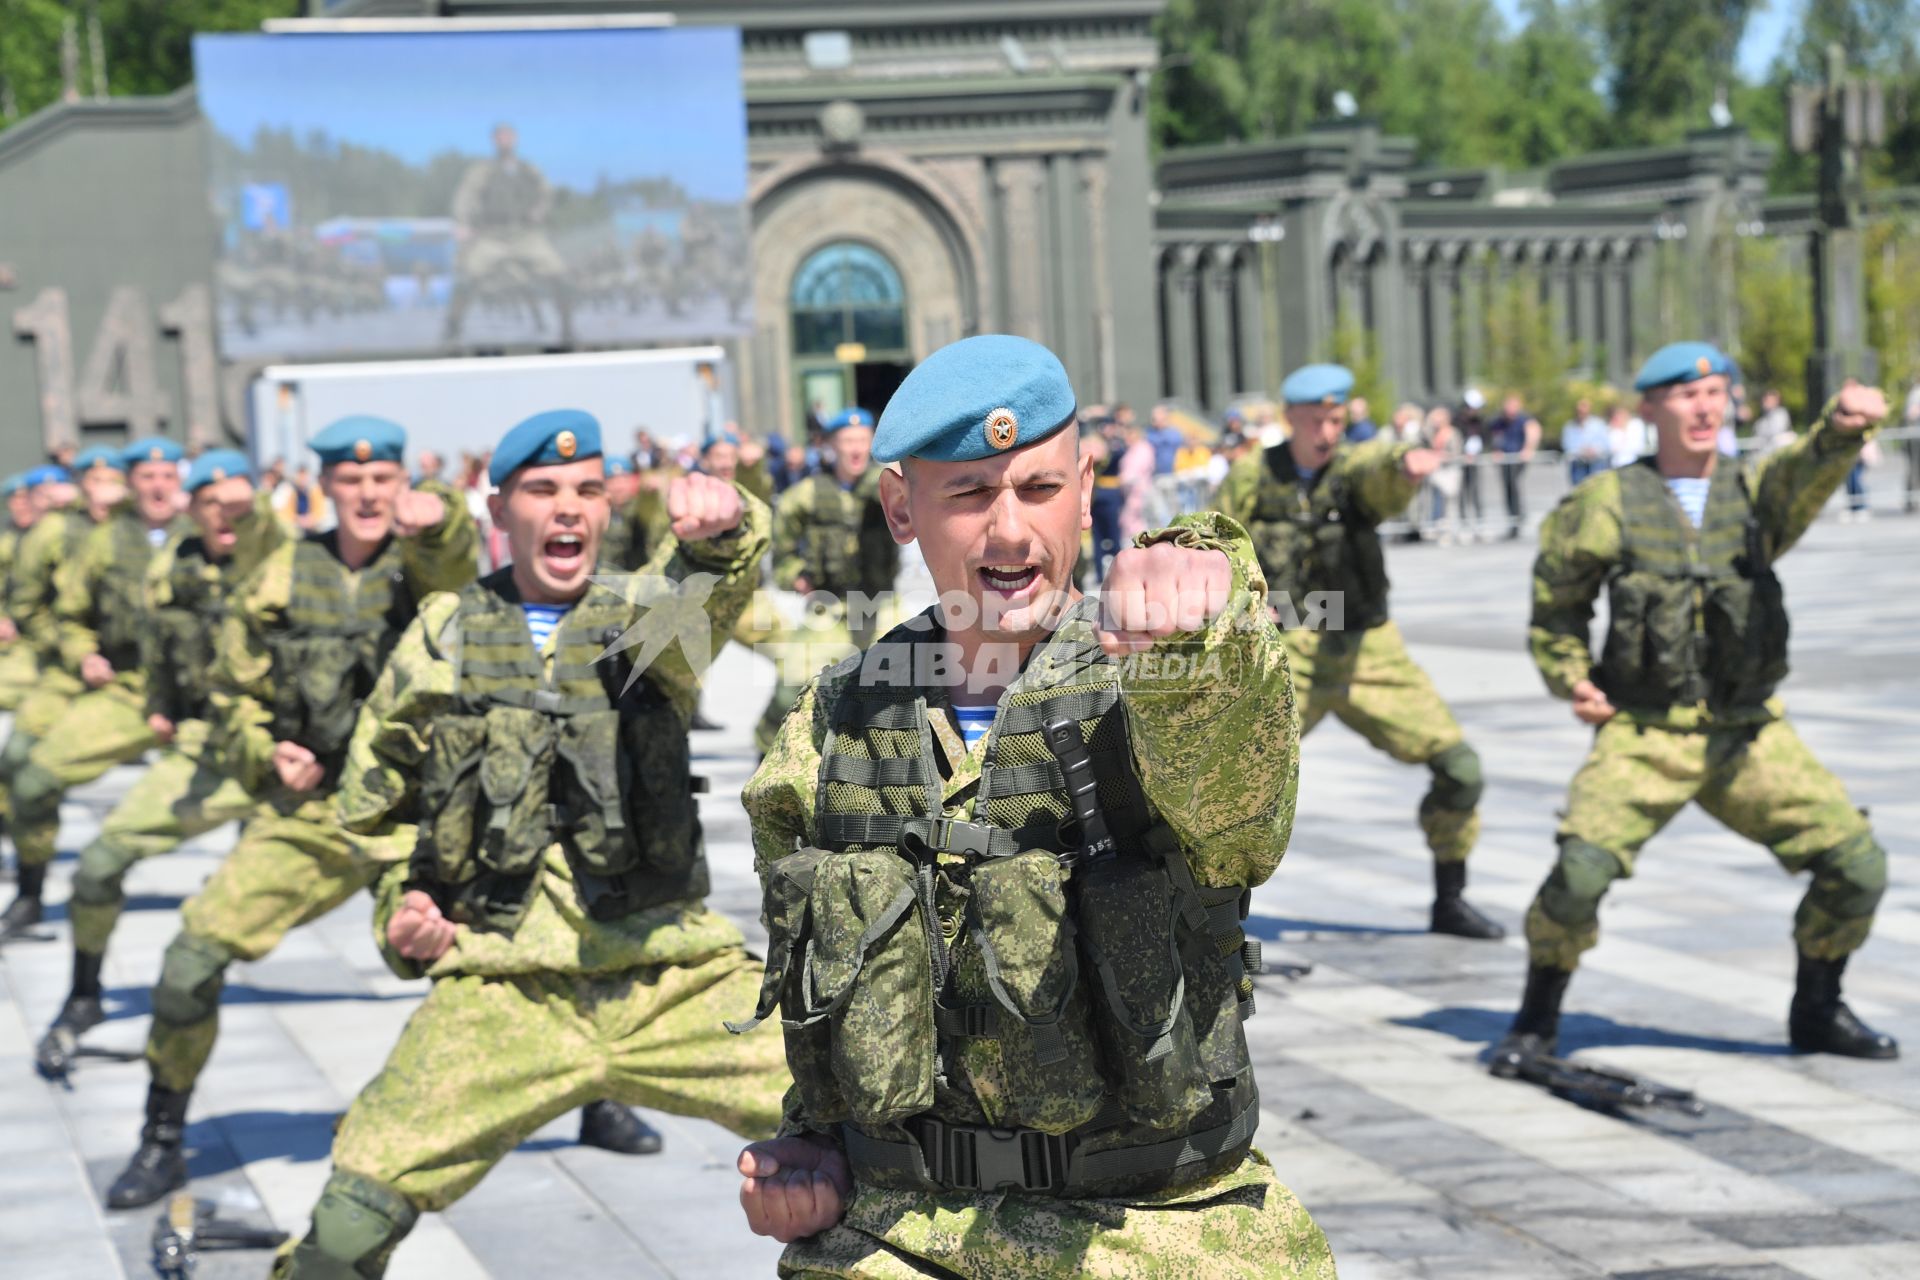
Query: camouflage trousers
x=19, y=674
x=1242, y=1223
x=291, y=866
x=1760, y=780
x=484, y=1062
x=179, y=797
x=799, y=653
x=73, y=740
x=1369, y=682
x=36, y=716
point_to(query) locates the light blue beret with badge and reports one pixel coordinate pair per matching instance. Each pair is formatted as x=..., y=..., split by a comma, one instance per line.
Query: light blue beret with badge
x=14, y=484
x=1682, y=362
x=976, y=398
x=617, y=465
x=50, y=473
x=847, y=418
x=98, y=455
x=545, y=440
x=360, y=438
x=216, y=465
x=1318, y=384
x=151, y=449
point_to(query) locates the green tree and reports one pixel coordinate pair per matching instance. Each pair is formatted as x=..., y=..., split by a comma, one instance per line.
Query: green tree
x=1893, y=301
x=1776, y=321
x=1667, y=60
x=148, y=44
x=1526, y=354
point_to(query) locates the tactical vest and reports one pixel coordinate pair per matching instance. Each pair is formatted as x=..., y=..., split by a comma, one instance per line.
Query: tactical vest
x=120, y=594
x=339, y=627
x=524, y=758
x=845, y=541
x=1316, y=538
x=1110, y=987
x=1696, y=616
x=185, y=632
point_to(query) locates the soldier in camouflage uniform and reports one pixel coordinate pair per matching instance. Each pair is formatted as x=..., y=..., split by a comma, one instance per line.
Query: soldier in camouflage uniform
x=1006, y=856
x=1681, y=699
x=554, y=893
x=1314, y=505
x=18, y=670
x=185, y=793
x=75, y=734
x=830, y=543
x=501, y=206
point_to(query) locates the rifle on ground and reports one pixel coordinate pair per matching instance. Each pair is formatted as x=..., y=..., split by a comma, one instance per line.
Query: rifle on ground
x=1607, y=1090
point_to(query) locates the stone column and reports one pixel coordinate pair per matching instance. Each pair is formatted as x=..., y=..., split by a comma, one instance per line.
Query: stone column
x=1476, y=271
x=1254, y=375
x=1018, y=182
x=1093, y=190
x=1219, y=326
x=1441, y=272
x=1619, y=313
x=1182, y=279
x=1559, y=294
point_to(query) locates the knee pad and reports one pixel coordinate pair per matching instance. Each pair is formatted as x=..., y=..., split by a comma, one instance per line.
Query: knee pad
x=1457, y=783
x=102, y=871
x=1850, y=879
x=356, y=1226
x=36, y=790
x=191, y=976
x=1571, y=896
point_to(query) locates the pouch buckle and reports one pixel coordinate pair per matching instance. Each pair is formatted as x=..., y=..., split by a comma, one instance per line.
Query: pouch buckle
x=970, y=1158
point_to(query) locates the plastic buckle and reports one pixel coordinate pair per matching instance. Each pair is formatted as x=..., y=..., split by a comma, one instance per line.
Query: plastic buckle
x=546, y=701
x=955, y=835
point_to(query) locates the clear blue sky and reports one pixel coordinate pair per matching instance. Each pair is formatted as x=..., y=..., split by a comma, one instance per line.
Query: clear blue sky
x=627, y=104
x=1766, y=31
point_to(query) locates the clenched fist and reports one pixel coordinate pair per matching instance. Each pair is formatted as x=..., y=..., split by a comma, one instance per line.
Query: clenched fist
x=298, y=769
x=96, y=671
x=161, y=727
x=1590, y=704
x=794, y=1187
x=1420, y=463
x=415, y=512
x=1154, y=592
x=702, y=507
x=1856, y=408
x=417, y=930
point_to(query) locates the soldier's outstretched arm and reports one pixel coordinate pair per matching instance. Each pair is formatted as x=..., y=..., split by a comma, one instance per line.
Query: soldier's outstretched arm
x=241, y=681
x=1791, y=485
x=1579, y=543
x=393, y=729
x=779, y=797
x=446, y=555
x=258, y=532
x=1239, y=494
x=157, y=639
x=76, y=584
x=789, y=518
x=1377, y=470
x=1209, y=695
x=713, y=561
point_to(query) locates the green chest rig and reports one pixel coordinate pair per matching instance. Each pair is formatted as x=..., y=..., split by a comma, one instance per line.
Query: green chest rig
x=1315, y=538
x=527, y=756
x=1695, y=616
x=1102, y=988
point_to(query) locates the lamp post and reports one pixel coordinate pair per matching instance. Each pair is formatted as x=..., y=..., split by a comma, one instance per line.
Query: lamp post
x=1837, y=120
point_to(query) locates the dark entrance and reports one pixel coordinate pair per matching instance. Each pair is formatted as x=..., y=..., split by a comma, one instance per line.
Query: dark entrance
x=874, y=383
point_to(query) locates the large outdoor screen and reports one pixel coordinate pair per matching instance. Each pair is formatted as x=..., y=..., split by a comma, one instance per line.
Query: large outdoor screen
x=389, y=194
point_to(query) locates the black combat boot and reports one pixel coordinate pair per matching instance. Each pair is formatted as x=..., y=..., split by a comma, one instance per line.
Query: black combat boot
x=80, y=1014
x=1536, y=1028
x=611, y=1127
x=159, y=1166
x=1453, y=914
x=24, y=911
x=1820, y=1022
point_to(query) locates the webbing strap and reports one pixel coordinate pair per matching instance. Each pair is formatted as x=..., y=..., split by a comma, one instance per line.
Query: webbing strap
x=1162, y=1157
x=901, y=771
x=1080, y=704
x=857, y=712
x=1043, y=777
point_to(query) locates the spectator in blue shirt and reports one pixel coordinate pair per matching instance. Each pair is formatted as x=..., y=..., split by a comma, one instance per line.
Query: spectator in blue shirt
x=1585, y=442
x=1165, y=439
x=1514, y=436
x=1360, y=424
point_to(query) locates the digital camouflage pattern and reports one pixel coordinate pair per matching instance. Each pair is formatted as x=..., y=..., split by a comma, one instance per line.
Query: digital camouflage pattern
x=636, y=532
x=1218, y=762
x=17, y=663
x=1238, y=1224
x=1362, y=675
x=78, y=739
x=836, y=536
x=1368, y=682
x=1744, y=764
x=31, y=588
x=1580, y=545
x=100, y=591
x=485, y=1061
x=180, y=796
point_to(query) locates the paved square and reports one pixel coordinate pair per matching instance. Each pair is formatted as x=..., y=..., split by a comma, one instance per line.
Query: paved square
x=1377, y=1110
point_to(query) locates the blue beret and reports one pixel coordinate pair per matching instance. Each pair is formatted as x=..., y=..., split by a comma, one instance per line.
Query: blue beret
x=98, y=456
x=976, y=398
x=723, y=437
x=48, y=474
x=216, y=465
x=1318, y=384
x=14, y=484
x=847, y=418
x=558, y=435
x=360, y=438
x=151, y=449
x=1682, y=362
x=617, y=465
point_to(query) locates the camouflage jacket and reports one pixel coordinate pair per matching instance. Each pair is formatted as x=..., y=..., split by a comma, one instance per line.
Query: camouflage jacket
x=242, y=681
x=394, y=733
x=1373, y=472
x=1580, y=549
x=636, y=532
x=32, y=586
x=833, y=536
x=92, y=583
x=1217, y=758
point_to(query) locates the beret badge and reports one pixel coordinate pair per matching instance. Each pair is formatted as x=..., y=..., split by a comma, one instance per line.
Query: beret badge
x=362, y=450
x=565, y=444
x=1002, y=428
x=1703, y=364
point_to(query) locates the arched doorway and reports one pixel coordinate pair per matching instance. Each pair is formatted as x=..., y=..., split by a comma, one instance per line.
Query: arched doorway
x=849, y=320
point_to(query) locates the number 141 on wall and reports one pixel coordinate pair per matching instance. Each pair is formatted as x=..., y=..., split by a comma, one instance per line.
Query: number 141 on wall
x=119, y=384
